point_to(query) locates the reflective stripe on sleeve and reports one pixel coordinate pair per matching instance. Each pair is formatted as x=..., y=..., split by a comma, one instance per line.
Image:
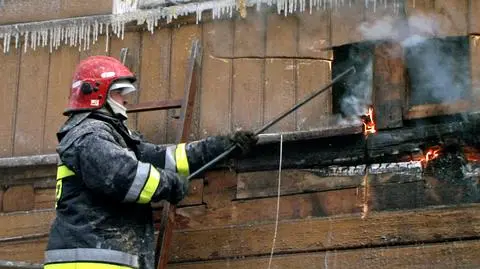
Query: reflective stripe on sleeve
x=63, y=171
x=150, y=187
x=91, y=255
x=85, y=265
x=170, y=163
x=182, y=160
x=133, y=193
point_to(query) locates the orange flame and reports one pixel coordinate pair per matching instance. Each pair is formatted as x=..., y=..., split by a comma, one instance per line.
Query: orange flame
x=471, y=154
x=431, y=154
x=368, y=122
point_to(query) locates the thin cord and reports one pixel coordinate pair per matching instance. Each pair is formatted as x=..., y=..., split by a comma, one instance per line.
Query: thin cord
x=278, y=201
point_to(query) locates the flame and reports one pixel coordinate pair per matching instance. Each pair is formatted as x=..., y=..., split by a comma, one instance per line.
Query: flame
x=431, y=154
x=368, y=123
x=471, y=154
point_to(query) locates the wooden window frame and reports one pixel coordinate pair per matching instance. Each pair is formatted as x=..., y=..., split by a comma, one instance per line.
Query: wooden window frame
x=412, y=112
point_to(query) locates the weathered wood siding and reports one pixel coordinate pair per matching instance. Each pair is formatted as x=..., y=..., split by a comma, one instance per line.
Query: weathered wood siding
x=242, y=85
x=252, y=69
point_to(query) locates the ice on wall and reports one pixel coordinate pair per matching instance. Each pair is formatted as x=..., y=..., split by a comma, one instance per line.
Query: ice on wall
x=83, y=31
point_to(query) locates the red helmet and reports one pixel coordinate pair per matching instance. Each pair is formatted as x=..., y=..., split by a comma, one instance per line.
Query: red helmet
x=92, y=80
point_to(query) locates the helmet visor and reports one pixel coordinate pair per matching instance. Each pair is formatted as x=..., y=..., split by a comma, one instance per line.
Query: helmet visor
x=123, y=87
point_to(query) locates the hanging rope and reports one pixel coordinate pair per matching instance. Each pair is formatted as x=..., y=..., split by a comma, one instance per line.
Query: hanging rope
x=278, y=201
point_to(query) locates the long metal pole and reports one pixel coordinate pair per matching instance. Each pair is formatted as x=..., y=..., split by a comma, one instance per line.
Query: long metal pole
x=272, y=122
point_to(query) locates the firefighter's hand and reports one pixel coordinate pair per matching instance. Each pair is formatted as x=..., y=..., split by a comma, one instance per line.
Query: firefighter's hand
x=172, y=187
x=245, y=141
x=180, y=190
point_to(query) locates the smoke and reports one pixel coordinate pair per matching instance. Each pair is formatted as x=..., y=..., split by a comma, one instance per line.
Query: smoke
x=437, y=68
x=355, y=91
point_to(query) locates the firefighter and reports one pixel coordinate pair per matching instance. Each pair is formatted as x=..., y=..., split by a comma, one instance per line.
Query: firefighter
x=108, y=176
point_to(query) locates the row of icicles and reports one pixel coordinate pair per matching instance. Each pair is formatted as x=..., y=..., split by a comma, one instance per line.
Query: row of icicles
x=83, y=31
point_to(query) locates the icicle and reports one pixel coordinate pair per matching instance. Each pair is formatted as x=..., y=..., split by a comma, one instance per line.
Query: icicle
x=17, y=39
x=50, y=43
x=25, y=43
x=123, y=29
x=108, y=37
x=4, y=43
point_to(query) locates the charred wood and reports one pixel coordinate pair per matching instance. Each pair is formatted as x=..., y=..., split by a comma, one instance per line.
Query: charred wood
x=397, y=145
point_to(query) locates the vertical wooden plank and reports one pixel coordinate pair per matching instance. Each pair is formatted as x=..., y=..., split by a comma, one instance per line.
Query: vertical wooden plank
x=475, y=69
x=1, y=199
x=131, y=41
x=182, y=39
x=311, y=76
x=218, y=38
x=279, y=93
x=474, y=17
x=345, y=22
x=389, y=85
x=247, y=93
x=216, y=80
x=8, y=96
x=282, y=32
x=99, y=48
x=62, y=66
x=453, y=16
x=215, y=96
x=250, y=34
x=314, y=34
x=31, y=103
x=154, y=81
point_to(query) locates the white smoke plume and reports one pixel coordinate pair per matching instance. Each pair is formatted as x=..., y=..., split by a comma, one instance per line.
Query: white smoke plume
x=438, y=68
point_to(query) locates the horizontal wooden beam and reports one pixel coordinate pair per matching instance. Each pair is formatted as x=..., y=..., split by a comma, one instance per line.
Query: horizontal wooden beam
x=462, y=254
x=393, y=145
x=4, y=264
x=378, y=229
x=329, y=131
x=29, y=223
x=34, y=160
x=154, y=105
x=433, y=110
x=31, y=251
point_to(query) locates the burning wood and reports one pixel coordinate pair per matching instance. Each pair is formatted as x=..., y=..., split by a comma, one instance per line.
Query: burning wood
x=471, y=154
x=369, y=123
x=432, y=153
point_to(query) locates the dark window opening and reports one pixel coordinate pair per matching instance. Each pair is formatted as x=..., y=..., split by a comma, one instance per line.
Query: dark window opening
x=352, y=95
x=438, y=71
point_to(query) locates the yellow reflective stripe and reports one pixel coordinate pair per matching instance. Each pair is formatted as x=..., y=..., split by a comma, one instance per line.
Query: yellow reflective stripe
x=58, y=191
x=63, y=172
x=84, y=265
x=150, y=187
x=182, y=160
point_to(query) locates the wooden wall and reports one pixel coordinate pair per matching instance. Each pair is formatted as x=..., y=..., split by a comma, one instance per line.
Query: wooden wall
x=40, y=10
x=395, y=215
x=253, y=68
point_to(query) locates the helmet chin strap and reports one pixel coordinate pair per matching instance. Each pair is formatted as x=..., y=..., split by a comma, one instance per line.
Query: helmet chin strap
x=118, y=109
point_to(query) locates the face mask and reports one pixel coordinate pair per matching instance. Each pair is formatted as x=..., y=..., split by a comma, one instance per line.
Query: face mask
x=118, y=109
x=124, y=88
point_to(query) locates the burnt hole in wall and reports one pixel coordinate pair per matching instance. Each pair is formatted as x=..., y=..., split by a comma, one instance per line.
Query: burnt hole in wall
x=438, y=70
x=352, y=95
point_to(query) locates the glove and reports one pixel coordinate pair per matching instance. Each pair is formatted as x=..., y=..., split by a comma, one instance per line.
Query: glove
x=173, y=187
x=245, y=141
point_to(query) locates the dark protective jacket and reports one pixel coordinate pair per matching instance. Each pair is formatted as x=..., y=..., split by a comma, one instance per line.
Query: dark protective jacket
x=106, y=180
